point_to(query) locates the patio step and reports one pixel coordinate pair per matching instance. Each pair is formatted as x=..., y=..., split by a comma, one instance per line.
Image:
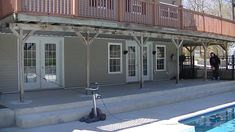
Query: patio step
x=47, y=115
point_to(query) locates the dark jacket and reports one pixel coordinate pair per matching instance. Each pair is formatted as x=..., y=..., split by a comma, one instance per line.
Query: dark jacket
x=214, y=61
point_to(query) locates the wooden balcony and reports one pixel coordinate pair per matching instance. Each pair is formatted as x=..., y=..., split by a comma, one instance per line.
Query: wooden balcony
x=151, y=13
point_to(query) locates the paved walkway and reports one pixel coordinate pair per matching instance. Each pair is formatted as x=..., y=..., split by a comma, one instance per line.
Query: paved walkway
x=136, y=118
x=50, y=97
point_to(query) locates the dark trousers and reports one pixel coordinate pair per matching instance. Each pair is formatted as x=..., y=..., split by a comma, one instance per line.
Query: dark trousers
x=215, y=72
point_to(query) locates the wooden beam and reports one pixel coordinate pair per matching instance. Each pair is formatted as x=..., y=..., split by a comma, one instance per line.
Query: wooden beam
x=205, y=47
x=66, y=28
x=88, y=40
x=177, y=44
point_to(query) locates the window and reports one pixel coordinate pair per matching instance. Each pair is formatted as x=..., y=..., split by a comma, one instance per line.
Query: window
x=160, y=57
x=171, y=13
x=114, y=58
x=136, y=7
x=102, y=4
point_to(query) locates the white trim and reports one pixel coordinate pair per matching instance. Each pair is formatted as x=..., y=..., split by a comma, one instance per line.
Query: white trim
x=137, y=77
x=104, y=4
x=151, y=56
x=164, y=46
x=18, y=62
x=62, y=61
x=120, y=72
x=40, y=41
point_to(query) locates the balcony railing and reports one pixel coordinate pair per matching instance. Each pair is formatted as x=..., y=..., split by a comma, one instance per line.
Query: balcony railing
x=148, y=12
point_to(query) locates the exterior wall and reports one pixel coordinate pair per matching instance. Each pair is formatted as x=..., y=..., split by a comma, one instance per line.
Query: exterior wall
x=74, y=63
x=99, y=63
x=8, y=63
x=170, y=71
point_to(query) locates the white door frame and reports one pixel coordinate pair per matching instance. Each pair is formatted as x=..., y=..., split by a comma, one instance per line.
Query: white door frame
x=136, y=77
x=40, y=59
x=148, y=77
x=37, y=84
x=59, y=71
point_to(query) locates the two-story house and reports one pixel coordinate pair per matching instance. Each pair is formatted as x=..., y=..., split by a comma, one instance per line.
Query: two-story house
x=47, y=44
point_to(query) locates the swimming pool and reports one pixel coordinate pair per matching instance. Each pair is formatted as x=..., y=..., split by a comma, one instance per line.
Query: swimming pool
x=221, y=120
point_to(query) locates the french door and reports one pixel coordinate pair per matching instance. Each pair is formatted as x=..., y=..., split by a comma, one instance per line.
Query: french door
x=132, y=61
x=43, y=67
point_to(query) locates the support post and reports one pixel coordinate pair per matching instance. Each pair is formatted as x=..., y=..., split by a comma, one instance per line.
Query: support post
x=205, y=47
x=226, y=54
x=21, y=39
x=141, y=44
x=21, y=65
x=141, y=62
x=177, y=44
x=225, y=48
x=232, y=67
x=87, y=39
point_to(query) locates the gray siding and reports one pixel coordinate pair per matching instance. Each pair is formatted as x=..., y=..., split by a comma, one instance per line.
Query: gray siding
x=99, y=63
x=74, y=63
x=170, y=71
x=8, y=63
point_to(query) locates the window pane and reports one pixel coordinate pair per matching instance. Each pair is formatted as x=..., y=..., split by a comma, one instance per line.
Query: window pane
x=160, y=64
x=30, y=75
x=114, y=58
x=145, y=61
x=160, y=58
x=114, y=65
x=160, y=52
x=114, y=51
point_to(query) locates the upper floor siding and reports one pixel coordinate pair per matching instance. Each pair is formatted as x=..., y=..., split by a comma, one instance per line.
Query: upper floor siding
x=145, y=12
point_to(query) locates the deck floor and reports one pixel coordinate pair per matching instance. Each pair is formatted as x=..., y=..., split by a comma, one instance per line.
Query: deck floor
x=61, y=96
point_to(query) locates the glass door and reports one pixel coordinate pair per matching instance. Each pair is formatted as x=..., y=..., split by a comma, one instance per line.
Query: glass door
x=132, y=65
x=146, y=63
x=31, y=65
x=51, y=64
x=43, y=63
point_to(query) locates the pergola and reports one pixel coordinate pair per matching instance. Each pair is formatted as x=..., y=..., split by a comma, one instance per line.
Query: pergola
x=140, y=34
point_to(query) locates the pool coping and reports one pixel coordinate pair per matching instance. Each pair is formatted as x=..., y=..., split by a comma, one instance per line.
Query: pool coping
x=178, y=119
x=201, y=112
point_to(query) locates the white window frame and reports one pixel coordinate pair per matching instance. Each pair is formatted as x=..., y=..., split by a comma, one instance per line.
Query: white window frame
x=119, y=72
x=137, y=5
x=104, y=4
x=156, y=58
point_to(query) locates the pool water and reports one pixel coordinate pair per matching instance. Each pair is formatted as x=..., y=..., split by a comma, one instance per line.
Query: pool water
x=218, y=121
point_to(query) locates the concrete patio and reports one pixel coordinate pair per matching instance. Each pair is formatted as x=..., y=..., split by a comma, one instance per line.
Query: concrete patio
x=144, y=117
x=59, y=106
x=61, y=96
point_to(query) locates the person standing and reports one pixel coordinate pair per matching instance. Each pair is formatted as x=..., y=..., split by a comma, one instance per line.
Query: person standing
x=214, y=62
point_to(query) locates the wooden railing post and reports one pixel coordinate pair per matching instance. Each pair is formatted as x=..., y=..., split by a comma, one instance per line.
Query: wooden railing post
x=121, y=10
x=204, y=23
x=232, y=67
x=18, y=5
x=75, y=7
x=181, y=19
x=155, y=12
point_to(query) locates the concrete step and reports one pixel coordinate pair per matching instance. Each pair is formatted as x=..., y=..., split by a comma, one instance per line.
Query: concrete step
x=47, y=115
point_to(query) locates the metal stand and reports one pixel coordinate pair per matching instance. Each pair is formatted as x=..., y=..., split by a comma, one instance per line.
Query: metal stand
x=95, y=114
